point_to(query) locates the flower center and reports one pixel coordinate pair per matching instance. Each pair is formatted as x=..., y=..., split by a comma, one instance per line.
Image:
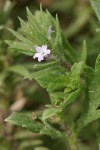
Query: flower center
x=42, y=52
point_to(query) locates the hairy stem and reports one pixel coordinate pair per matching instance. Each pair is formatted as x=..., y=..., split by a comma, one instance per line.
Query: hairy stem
x=71, y=138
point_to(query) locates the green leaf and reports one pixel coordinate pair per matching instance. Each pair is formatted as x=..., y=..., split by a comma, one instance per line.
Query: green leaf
x=50, y=112
x=76, y=70
x=19, y=69
x=96, y=6
x=56, y=97
x=70, y=54
x=53, y=76
x=25, y=121
x=71, y=97
x=54, y=133
x=84, y=53
x=48, y=75
x=35, y=32
x=58, y=41
x=59, y=83
x=74, y=87
x=91, y=108
x=20, y=47
x=37, y=67
x=75, y=74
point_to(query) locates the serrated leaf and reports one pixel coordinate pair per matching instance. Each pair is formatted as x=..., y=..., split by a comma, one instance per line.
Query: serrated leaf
x=25, y=121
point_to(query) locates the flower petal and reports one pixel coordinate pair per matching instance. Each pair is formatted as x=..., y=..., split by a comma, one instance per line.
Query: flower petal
x=40, y=58
x=42, y=52
x=38, y=49
x=44, y=47
x=47, y=52
x=37, y=55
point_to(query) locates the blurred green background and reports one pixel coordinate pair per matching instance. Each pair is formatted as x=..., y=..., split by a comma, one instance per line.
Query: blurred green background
x=78, y=22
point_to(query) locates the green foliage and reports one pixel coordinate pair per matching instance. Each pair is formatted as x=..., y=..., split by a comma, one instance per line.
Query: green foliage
x=19, y=69
x=63, y=85
x=55, y=78
x=74, y=86
x=91, y=108
x=64, y=74
x=96, y=6
x=52, y=132
x=32, y=33
x=24, y=121
x=84, y=52
x=50, y=112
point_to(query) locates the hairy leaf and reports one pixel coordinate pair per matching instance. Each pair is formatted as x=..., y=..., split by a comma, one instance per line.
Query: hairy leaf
x=91, y=108
x=54, y=133
x=25, y=121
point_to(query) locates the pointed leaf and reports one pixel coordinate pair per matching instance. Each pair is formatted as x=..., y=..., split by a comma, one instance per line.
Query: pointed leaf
x=25, y=121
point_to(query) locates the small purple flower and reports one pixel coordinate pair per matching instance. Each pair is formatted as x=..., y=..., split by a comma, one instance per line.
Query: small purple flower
x=41, y=52
x=50, y=32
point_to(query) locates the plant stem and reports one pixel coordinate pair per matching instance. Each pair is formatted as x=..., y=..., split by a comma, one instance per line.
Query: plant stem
x=71, y=138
